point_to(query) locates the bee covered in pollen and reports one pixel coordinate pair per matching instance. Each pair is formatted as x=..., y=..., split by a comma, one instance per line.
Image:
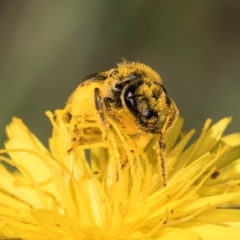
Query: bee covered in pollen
x=123, y=108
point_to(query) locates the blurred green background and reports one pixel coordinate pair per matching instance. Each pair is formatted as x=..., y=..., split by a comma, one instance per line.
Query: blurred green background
x=46, y=47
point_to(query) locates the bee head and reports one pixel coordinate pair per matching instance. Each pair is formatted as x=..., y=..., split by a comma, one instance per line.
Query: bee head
x=142, y=93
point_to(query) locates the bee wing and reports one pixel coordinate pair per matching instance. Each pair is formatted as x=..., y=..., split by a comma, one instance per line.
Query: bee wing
x=89, y=77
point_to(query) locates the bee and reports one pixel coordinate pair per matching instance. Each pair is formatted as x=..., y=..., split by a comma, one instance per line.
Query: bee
x=127, y=102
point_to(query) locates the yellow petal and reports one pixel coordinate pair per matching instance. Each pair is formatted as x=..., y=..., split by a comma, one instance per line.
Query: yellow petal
x=212, y=232
x=225, y=217
x=177, y=233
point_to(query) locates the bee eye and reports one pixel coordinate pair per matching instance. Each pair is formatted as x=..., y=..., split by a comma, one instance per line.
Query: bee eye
x=130, y=98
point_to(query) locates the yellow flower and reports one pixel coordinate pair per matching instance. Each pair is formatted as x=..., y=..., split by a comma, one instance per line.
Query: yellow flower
x=57, y=194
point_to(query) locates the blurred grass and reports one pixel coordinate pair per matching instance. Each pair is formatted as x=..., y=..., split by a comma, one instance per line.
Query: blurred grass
x=47, y=46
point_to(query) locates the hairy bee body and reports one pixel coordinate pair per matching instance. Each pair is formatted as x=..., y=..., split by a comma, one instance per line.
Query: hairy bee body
x=129, y=98
x=81, y=116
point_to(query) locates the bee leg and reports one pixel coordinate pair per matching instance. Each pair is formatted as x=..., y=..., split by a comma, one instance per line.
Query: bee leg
x=162, y=158
x=162, y=147
x=100, y=110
